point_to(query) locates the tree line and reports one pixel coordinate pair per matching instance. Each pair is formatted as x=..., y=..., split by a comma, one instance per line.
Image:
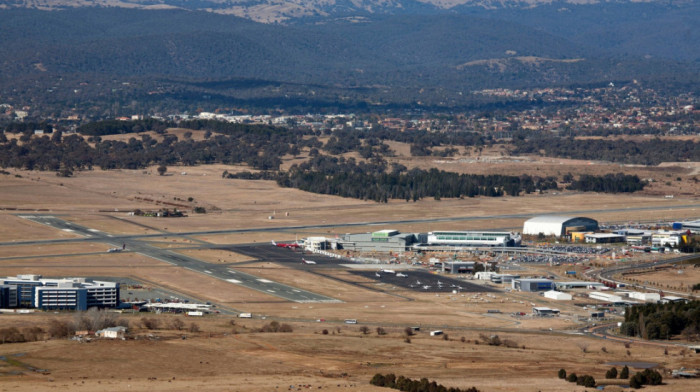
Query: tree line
x=371, y=181
x=408, y=385
x=648, y=152
x=663, y=321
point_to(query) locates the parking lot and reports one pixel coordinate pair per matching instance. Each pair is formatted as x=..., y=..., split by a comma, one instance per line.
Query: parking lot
x=423, y=281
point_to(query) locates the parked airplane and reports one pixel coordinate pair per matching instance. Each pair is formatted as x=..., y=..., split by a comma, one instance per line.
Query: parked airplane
x=400, y=275
x=112, y=250
x=388, y=271
x=377, y=275
x=426, y=287
x=289, y=245
x=305, y=261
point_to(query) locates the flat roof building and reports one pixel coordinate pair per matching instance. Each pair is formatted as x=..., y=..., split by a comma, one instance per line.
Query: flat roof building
x=64, y=294
x=577, y=285
x=604, y=238
x=558, y=295
x=378, y=241
x=558, y=225
x=533, y=284
x=9, y=296
x=472, y=238
x=544, y=311
x=458, y=267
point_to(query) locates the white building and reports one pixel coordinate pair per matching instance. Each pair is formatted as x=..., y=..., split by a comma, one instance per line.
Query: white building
x=606, y=297
x=111, y=333
x=558, y=225
x=473, y=238
x=666, y=238
x=646, y=297
x=558, y=295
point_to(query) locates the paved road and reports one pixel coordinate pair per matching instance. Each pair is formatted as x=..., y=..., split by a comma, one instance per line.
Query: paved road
x=608, y=273
x=222, y=272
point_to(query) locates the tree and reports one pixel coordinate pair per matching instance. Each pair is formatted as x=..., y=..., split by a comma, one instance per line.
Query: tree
x=162, y=169
x=625, y=373
x=572, y=377
x=636, y=382
x=364, y=329
x=612, y=373
x=562, y=373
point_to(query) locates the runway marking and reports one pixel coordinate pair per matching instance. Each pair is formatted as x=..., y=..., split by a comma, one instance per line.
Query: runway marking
x=68, y=230
x=208, y=272
x=94, y=230
x=264, y=281
x=233, y=281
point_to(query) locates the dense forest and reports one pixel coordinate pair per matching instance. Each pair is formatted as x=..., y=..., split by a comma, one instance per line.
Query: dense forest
x=262, y=147
x=651, y=152
x=663, y=321
x=371, y=181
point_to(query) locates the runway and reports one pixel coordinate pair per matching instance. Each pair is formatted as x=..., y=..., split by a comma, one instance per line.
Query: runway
x=223, y=272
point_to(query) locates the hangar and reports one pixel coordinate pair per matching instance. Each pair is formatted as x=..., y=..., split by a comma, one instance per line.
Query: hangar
x=558, y=225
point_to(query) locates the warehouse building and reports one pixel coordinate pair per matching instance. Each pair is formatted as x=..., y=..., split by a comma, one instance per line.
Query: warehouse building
x=578, y=285
x=458, y=267
x=558, y=295
x=378, y=241
x=606, y=297
x=557, y=225
x=64, y=294
x=531, y=285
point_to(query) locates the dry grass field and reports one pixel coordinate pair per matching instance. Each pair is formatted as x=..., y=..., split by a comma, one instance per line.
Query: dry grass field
x=233, y=358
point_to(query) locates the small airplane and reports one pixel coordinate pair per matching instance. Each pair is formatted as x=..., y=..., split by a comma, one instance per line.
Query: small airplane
x=426, y=287
x=400, y=275
x=377, y=275
x=289, y=245
x=305, y=261
x=388, y=271
x=418, y=282
x=112, y=250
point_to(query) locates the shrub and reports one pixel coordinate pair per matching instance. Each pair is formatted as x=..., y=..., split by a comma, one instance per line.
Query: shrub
x=612, y=373
x=381, y=331
x=325, y=332
x=408, y=331
x=150, y=323
x=364, y=329
x=562, y=374
x=636, y=382
x=194, y=327
x=586, y=381
x=625, y=373
x=572, y=377
x=61, y=329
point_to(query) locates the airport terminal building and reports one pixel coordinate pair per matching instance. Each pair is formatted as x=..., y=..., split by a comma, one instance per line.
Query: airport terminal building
x=472, y=238
x=59, y=294
x=379, y=241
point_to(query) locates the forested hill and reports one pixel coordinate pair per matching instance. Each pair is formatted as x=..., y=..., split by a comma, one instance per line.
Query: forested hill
x=146, y=58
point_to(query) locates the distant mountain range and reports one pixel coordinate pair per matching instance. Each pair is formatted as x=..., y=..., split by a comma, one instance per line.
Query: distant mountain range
x=356, y=52
x=271, y=11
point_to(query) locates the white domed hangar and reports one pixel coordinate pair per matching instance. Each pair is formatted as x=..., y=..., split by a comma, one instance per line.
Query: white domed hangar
x=558, y=225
